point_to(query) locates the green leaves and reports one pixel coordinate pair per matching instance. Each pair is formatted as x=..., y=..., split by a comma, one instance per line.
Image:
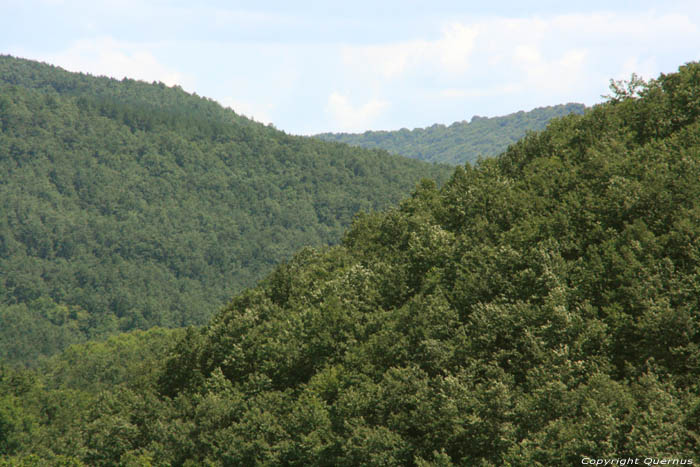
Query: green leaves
x=146, y=206
x=538, y=309
x=535, y=309
x=462, y=142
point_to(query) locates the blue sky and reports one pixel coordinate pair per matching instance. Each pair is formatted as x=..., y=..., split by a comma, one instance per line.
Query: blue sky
x=316, y=66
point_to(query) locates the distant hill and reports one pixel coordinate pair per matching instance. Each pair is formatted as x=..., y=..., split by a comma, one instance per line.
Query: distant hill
x=460, y=142
x=540, y=308
x=126, y=205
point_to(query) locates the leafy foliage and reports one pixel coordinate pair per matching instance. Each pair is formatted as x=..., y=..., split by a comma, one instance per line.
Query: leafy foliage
x=539, y=308
x=460, y=142
x=126, y=205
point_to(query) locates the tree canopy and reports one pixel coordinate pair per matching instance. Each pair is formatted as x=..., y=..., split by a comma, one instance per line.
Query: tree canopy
x=460, y=142
x=126, y=205
x=539, y=308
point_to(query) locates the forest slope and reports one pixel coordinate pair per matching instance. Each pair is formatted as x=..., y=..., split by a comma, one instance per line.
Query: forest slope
x=539, y=309
x=461, y=142
x=127, y=205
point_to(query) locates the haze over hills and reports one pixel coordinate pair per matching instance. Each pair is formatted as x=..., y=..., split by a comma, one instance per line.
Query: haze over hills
x=127, y=205
x=540, y=308
x=461, y=142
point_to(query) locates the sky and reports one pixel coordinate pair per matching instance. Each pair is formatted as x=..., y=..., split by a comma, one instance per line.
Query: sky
x=315, y=66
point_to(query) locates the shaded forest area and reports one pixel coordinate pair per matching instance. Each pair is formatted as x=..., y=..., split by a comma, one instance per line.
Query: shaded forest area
x=126, y=205
x=462, y=142
x=539, y=308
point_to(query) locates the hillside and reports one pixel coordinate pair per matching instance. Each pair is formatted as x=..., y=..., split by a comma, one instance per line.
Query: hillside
x=460, y=142
x=541, y=308
x=126, y=205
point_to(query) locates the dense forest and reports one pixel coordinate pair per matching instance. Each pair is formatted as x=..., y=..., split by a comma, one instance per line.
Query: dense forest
x=460, y=142
x=540, y=308
x=126, y=205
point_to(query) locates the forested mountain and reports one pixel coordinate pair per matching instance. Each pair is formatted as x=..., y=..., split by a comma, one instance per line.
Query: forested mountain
x=460, y=142
x=541, y=308
x=127, y=205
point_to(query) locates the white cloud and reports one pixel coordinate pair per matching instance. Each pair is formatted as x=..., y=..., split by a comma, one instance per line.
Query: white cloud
x=559, y=74
x=109, y=57
x=351, y=118
x=492, y=91
x=570, y=55
x=559, y=54
x=643, y=25
x=315, y=72
x=388, y=60
x=455, y=46
x=647, y=68
x=248, y=109
x=450, y=52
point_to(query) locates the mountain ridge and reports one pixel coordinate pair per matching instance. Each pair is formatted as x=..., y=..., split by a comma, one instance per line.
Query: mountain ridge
x=539, y=308
x=126, y=205
x=460, y=142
